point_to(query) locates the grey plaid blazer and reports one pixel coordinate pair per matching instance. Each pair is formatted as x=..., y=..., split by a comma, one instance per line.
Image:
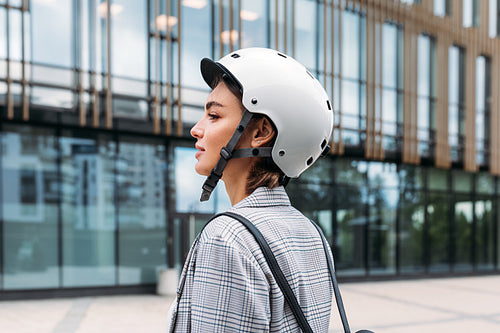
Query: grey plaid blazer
x=227, y=286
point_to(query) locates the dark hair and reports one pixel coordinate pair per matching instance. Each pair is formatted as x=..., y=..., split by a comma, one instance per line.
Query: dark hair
x=264, y=172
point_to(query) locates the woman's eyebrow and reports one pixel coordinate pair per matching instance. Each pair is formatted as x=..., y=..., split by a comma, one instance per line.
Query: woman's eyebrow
x=211, y=104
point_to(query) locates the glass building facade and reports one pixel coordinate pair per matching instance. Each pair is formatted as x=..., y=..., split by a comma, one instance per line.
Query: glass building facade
x=98, y=189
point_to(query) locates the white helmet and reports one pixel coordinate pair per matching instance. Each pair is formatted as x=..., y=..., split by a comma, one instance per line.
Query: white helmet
x=281, y=88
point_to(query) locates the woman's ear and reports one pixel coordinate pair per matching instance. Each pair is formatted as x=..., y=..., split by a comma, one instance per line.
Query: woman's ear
x=263, y=133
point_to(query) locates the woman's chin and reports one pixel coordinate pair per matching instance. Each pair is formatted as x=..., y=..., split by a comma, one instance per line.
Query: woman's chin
x=202, y=171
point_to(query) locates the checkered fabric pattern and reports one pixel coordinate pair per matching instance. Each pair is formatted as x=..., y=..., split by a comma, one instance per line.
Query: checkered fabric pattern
x=227, y=286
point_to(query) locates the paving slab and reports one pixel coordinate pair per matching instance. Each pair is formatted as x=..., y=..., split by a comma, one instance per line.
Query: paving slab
x=458, y=305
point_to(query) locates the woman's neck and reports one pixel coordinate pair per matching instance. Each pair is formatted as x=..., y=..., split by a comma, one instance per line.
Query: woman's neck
x=235, y=179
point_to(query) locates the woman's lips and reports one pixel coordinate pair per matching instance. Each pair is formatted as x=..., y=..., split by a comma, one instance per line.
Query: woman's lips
x=199, y=152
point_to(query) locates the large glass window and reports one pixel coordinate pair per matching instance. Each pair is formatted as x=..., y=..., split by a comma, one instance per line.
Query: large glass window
x=196, y=41
x=30, y=211
x=88, y=210
x=463, y=221
x=383, y=198
x=411, y=220
x=351, y=204
x=141, y=172
x=392, y=93
x=305, y=32
x=253, y=23
x=353, y=85
x=442, y=7
x=483, y=97
x=456, y=99
x=484, y=219
x=188, y=186
x=470, y=13
x=426, y=95
x=52, y=34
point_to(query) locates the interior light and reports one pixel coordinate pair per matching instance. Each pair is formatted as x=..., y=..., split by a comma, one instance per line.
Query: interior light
x=248, y=15
x=227, y=36
x=196, y=4
x=115, y=9
x=162, y=21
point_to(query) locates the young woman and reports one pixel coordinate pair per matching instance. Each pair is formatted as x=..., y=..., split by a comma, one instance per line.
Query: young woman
x=266, y=119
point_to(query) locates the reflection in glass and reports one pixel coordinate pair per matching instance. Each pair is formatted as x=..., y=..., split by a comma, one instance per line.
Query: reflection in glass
x=59, y=30
x=196, y=42
x=141, y=182
x=484, y=235
x=438, y=232
x=30, y=195
x=253, y=23
x=483, y=96
x=3, y=39
x=129, y=38
x=15, y=37
x=351, y=52
x=382, y=230
x=305, y=32
x=463, y=221
x=412, y=218
x=57, y=98
x=351, y=223
x=315, y=202
x=188, y=186
x=88, y=210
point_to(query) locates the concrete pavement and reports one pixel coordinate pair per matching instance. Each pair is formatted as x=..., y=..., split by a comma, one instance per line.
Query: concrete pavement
x=465, y=304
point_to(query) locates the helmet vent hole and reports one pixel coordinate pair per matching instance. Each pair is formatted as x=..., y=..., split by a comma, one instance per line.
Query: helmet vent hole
x=235, y=55
x=323, y=144
x=328, y=103
x=281, y=153
x=309, y=161
x=281, y=55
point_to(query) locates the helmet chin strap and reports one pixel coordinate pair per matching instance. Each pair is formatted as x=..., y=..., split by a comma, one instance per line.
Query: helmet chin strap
x=229, y=152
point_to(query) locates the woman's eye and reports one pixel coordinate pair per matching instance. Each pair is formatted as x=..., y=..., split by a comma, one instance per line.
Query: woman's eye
x=213, y=116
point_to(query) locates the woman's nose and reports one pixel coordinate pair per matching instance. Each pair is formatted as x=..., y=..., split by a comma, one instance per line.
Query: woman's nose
x=196, y=131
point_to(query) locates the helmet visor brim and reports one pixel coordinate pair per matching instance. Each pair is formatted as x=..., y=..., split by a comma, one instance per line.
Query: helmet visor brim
x=212, y=71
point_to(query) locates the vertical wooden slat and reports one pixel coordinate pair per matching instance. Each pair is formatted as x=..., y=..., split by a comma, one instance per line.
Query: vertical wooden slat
x=293, y=27
x=240, y=28
x=332, y=89
x=370, y=83
x=276, y=25
x=156, y=97
x=221, y=27
x=410, y=143
x=179, y=77
x=231, y=26
x=442, y=153
x=470, y=101
x=10, y=99
x=24, y=82
x=169, y=64
x=285, y=27
x=109, y=110
x=340, y=144
x=495, y=110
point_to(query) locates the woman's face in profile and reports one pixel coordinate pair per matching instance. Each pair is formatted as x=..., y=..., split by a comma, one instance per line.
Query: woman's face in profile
x=213, y=131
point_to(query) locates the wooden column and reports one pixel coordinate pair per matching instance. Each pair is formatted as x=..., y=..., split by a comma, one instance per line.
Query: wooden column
x=470, y=104
x=495, y=110
x=442, y=157
x=410, y=139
